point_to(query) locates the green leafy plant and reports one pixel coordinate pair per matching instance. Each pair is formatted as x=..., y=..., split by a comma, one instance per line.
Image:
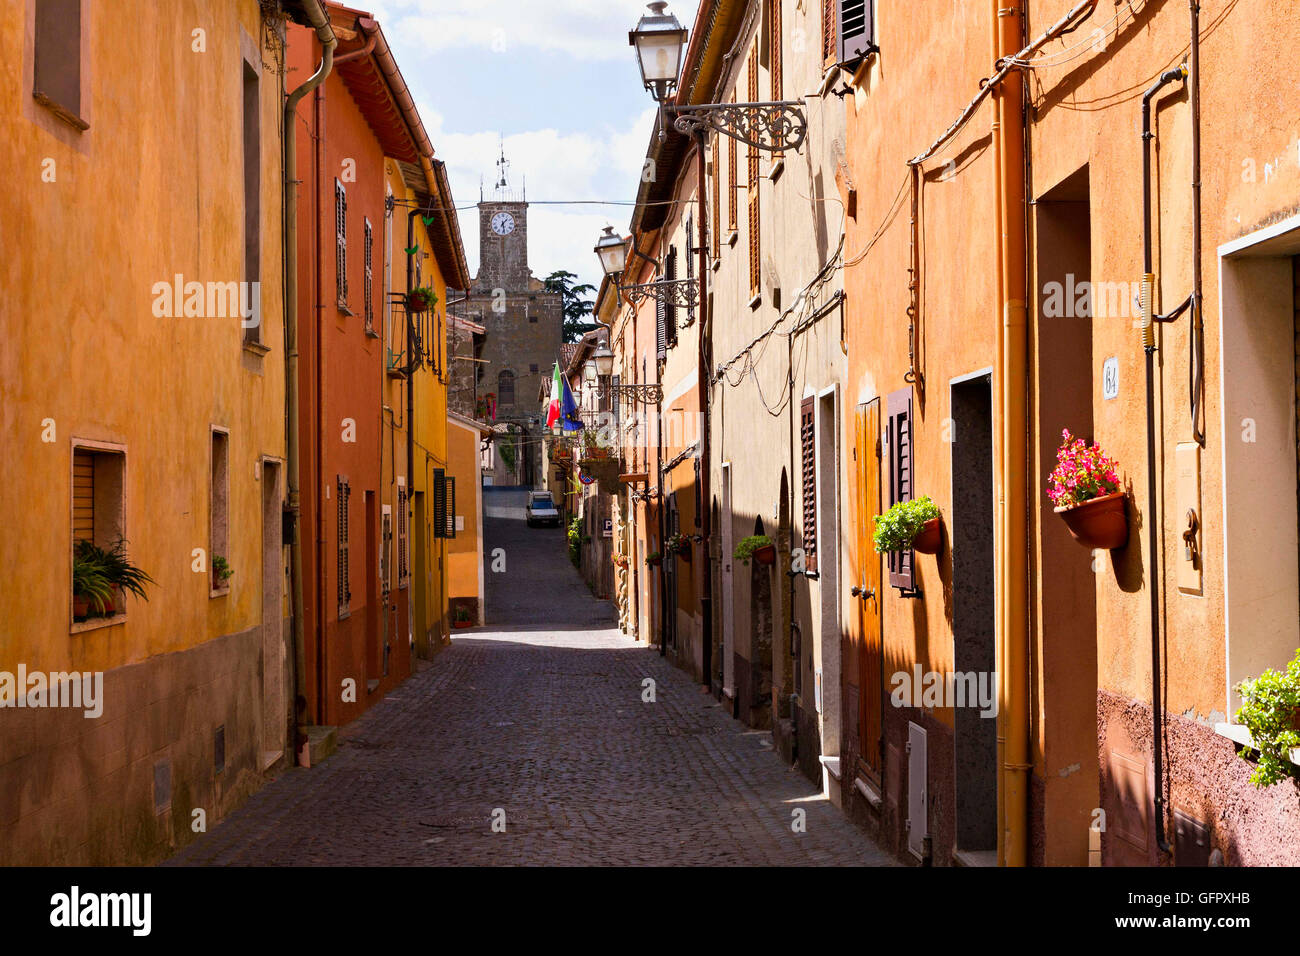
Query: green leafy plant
x=508, y=453
x=747, y=546
x=898, y=527
x=653, y=558
x=575, y=540
x=1270, y=710
x=90, y=584
x=116, y=568
x=677, y=543
x=222, y=569
x=462, y=614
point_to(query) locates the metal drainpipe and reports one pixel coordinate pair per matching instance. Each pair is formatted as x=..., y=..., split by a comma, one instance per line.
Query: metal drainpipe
x=1155, y=536
x=320, y=22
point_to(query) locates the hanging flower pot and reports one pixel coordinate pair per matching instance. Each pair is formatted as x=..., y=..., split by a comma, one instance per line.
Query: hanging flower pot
x=1084, y=487
x=765, y=555
x=757, y=546
x=420, y=299
x=1098, y=522
x=930, y=538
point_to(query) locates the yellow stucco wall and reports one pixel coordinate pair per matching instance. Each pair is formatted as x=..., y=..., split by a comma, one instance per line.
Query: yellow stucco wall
x=464, y=552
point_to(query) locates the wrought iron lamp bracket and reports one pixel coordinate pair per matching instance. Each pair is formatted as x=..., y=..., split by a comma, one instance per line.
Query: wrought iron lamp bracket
x=774, y=126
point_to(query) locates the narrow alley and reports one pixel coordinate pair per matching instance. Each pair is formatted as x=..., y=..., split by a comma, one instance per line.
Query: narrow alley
x=540, y=715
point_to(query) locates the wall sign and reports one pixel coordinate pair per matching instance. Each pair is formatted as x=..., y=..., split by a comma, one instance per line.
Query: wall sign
x=607, y=528
x=1110, y=378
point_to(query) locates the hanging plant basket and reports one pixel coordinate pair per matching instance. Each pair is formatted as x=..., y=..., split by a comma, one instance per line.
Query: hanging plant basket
x=420, y=300
x=766, y=555
x=1099, y=522
x=929, y=540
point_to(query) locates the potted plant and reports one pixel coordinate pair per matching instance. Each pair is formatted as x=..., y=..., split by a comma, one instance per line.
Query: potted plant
x=122, y=576
x=916, y=524
x=1270, y=710
x=461, y=617
x=680, y=545
x=221, y=570
x=756, y=546
x=1084, y=488
x=592, y=449
x=420, y=299
x=653, y=559
x=620, y=560
x=90, y=588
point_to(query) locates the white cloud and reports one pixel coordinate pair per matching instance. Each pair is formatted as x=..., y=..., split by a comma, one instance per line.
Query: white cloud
x=591, y=30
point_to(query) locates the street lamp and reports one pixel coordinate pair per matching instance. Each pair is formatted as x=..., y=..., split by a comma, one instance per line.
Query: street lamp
x=658, y=39
x=612, y=251
x=604, y=360
x=775, y=126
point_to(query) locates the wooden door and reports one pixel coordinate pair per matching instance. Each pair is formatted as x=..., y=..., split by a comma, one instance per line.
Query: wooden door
x=863, y=653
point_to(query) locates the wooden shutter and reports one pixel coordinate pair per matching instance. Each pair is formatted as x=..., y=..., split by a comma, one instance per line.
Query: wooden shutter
x=755, y=244
x=732, y=201
x=661, y=331
x=830, y=12
x=403, y=562
x=56, y=74
x=386, y=544
x=344, y=546
x=670, y=310
x=369, y=284
x=439, y=503
x=774, y=49
x=83, y=495
x=807, y=439
x=715, y=222
x=340, y=241
x=856, y=30
x=690, y=262
x=451, y=507
x=898, y=462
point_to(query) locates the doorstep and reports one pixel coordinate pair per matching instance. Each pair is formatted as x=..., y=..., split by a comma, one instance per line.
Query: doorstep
x=321, y=743
x=975, y=857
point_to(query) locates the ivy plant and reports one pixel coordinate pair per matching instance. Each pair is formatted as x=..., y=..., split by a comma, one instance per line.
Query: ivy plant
x=898, y=527
x=1270, y=710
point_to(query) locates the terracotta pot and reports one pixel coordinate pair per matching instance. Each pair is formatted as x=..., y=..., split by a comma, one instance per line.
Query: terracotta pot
x=80, y=606
x=462, y=623
x=766, y=555
x=1099, y=522
x=417, y=304
x=684, y=552
x=930, y=538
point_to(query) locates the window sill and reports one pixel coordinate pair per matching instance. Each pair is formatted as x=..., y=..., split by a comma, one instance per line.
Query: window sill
x=344, y=310
x=1240, y=735
x=371, y=333
x=778, y=167
x=256, y=348
x=717, y=264
x=732, y=237
x=218, y=592
x=95, y=623
x=62, y=112
x=756, y=301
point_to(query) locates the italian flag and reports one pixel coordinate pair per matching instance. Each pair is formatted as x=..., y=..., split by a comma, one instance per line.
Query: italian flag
x=557, y=389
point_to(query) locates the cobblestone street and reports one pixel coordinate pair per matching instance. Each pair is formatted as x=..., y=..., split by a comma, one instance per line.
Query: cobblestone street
x=540, y=715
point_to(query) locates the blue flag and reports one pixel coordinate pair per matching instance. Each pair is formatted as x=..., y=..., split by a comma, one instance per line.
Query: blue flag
x=569, y=409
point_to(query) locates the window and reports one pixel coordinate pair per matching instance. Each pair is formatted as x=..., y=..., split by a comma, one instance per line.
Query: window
x=830, y=12
x=752, y=187
x=98, y=482
x=341, y=244
x=369, y=284
x=807, y=439
x=344, y=548
x=774, y=49
x=56, y=73
x=444, y=504
x=403, y=561
x=898, y=463
x=716, y=205
x=661, y=329
x=532, y=368
x=219, y=507
x=252, y=195
x=506, y=388
x=857, y=30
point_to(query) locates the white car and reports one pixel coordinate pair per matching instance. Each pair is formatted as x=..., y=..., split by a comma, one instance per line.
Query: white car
x=541, y=509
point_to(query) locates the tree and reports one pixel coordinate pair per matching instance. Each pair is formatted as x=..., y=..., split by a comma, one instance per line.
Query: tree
x=576, y=306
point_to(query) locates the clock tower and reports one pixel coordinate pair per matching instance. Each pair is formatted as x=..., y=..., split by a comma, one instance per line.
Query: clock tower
x=503, y=237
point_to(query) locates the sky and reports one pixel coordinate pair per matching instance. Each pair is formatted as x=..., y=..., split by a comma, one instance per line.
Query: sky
x=559, y=82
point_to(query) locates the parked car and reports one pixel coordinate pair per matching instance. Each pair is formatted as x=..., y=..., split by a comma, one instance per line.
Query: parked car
x=541, y=510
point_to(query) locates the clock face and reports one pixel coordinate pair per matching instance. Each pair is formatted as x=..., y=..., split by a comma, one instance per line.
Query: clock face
x=503, y=224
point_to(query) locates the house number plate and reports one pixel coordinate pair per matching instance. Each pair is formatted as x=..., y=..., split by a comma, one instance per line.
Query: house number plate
x=1110, y=377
